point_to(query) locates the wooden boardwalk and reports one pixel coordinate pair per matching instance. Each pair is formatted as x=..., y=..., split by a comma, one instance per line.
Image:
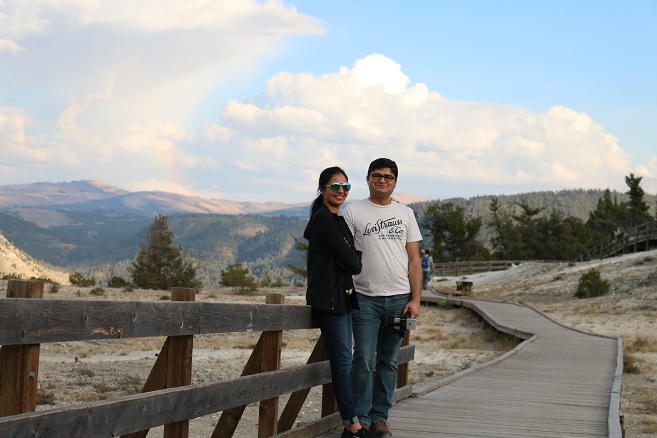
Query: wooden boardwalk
x=559, y=382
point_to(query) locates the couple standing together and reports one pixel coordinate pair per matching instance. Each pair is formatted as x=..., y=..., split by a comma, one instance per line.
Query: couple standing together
x=364, y=270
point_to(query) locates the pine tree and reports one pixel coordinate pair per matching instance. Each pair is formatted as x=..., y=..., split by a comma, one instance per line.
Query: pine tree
x=159, y=264
x=637, y=207
x=238, y=278
x=454, y=236
x=300, y=270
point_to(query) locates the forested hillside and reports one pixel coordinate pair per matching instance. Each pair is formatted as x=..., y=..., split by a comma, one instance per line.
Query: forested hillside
x=104, y=243
x=576, y=203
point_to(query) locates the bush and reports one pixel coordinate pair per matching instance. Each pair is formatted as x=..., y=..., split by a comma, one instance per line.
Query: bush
x=591, y=285
x=78, y=279
x=117, y=282
x=97, y=291
x=44, y=397
x=265, y=282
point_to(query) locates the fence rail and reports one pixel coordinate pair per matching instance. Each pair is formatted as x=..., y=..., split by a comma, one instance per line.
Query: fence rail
x=168, y=398
x=454, y=269
x=640, y=238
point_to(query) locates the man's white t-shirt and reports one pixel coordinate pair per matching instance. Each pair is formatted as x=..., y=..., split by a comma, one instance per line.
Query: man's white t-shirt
x=381, y=232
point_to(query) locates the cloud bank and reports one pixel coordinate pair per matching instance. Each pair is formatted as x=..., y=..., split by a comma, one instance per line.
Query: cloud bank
x=122, y=103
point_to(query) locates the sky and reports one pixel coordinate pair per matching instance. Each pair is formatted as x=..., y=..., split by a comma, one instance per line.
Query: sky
x=248, y=100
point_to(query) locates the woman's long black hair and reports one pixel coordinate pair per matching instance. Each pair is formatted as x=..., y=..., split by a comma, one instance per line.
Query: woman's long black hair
x=324, y=178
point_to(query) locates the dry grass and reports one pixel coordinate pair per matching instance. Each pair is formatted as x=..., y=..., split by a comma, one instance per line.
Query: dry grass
x=649, y=402
x=631, y=364
x=649, y=426
x=641, y=344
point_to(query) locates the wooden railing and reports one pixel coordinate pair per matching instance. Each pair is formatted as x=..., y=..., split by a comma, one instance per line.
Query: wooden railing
x=454, y=269
x=640, y=238
x=168, y=397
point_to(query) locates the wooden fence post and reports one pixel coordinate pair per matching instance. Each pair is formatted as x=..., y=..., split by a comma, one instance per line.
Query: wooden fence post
x=271, y=360
x=19, y=364
x=296, y=400
x=179, y=364
x=403, y=369
x=329, y=405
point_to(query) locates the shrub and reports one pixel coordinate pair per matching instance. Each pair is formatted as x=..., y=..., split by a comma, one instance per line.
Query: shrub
x=87, y=372
x=130, y=384
x=78, y=279
x=265, y=282
x=97, y=291
x=117, y=282
x=591, y=285
x=630, y=364
x=44, y=397
x=53, y=288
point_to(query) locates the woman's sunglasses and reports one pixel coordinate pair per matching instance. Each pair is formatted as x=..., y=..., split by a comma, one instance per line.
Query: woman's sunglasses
x=335, y=187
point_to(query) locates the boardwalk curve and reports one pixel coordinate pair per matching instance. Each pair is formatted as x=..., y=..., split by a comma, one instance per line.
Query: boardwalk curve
x=560, y=382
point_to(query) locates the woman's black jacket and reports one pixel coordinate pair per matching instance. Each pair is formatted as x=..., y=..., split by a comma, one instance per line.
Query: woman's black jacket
x=332, y=260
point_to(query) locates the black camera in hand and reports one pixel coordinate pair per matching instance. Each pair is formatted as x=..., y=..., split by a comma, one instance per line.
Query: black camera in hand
x=404, y=323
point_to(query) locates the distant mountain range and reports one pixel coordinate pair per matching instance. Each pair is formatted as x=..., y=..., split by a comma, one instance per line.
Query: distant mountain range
x=96, y=228
x=90, y=195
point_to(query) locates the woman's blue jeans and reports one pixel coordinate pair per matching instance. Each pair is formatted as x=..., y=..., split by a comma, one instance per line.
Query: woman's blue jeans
x=376, y=348
x=336, y=330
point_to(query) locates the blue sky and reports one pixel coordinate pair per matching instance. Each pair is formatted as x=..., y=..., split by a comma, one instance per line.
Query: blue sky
x=249, y=101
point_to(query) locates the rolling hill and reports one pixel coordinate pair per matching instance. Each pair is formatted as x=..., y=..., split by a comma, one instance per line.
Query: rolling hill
x=96, y=228
x=15, y=261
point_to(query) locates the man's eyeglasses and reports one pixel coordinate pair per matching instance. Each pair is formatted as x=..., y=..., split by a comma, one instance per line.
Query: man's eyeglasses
x=335, y=187
x=378, y=176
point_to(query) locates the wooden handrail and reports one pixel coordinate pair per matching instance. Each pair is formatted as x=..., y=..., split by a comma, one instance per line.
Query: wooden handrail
x=641, y=237
x=472, y=267
x=85, y=320
x=28, y=322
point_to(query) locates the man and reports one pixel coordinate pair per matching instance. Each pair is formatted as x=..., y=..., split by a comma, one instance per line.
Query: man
x=427, y=267
x=389, y=285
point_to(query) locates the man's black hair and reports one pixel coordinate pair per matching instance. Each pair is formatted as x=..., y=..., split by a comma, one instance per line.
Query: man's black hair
x=380, y=163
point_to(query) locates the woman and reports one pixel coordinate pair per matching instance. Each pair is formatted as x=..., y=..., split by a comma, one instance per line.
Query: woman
x=332, y=260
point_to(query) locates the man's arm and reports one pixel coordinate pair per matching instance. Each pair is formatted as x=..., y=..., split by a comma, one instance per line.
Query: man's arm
x=415, y=278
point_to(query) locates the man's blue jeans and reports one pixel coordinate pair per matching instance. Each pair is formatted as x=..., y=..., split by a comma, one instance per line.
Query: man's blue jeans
x=336, y=330
x=376, y=348
x=426, y=277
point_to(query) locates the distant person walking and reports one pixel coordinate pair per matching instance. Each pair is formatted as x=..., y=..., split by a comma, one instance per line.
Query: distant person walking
x=389, y=285
x=427, y=267
x=332, y=260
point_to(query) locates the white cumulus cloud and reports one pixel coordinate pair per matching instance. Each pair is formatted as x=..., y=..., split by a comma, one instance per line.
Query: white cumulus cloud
x=371, y=109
